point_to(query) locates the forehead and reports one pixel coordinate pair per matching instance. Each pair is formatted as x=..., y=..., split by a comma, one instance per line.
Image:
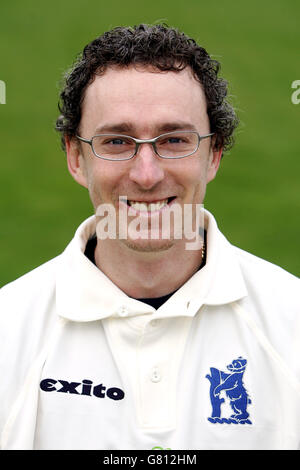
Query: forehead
x=144, y=98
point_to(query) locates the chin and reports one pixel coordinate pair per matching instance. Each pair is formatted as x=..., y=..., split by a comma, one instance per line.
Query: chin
x=148, y=246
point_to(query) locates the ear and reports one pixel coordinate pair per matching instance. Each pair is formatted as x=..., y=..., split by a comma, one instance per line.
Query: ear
x=76, y=161
x=214, y=164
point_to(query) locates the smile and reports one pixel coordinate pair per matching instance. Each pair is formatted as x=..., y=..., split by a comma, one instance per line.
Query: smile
x=151, y=206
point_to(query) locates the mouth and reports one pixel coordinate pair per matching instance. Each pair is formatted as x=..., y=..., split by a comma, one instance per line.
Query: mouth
x=150, y=206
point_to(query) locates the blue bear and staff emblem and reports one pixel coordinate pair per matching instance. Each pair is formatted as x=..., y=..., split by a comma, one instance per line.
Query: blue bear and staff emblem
x=235, y=392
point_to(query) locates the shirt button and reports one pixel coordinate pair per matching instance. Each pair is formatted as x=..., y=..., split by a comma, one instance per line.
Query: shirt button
x=154, y=323
x=122, y=311
x=155, y=375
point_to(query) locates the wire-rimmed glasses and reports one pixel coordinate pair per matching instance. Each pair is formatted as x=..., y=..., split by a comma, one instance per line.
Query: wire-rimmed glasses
x=119, y=147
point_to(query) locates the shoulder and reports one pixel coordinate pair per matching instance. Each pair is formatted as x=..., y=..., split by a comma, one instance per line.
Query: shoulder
x=273, y=304
x=273, y=301
x=31, y=283
x=27, y=315
x=265, y=274
x=29, y=299
x=272, y=291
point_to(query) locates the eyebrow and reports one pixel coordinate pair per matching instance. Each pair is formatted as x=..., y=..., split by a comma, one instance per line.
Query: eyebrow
x=127, y=127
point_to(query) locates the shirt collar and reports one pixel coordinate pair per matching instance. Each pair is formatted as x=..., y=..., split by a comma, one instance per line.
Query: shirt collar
x=219, y=282
x=84, y=293
x=222, y=275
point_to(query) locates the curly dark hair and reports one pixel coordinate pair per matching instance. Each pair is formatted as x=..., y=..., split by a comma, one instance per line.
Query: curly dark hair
x=160, y=46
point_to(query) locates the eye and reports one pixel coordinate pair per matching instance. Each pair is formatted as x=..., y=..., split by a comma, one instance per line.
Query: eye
x=171, y=140
x=177, y=139
x=116, y=141
x=174, y=140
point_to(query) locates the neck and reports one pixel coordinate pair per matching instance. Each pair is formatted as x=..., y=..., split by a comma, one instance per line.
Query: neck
x=139, y=273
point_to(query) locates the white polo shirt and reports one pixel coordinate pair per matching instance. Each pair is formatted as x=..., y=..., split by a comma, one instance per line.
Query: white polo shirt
x=217, y=366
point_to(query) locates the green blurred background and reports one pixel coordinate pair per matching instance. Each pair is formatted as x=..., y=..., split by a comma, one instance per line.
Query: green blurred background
x=255, y=197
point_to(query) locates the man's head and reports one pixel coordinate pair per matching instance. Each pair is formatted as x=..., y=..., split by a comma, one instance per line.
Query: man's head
x=161, y=47
x=144, y=82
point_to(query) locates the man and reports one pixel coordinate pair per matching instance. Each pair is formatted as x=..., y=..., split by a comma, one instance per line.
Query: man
x=140, y=335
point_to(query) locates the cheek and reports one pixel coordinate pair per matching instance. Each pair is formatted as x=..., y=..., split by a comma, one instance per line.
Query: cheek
x=94, y=184
x=196, y=183
x=103, y=180
x=195, y=178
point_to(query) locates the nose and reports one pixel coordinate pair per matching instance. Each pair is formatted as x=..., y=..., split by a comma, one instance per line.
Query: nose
x=147, y=168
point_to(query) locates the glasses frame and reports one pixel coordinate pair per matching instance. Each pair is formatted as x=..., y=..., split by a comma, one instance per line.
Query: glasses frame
x=139, y=142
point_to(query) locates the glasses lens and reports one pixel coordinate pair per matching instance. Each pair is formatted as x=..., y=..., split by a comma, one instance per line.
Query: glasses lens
x=113, y=147
x=177, y=144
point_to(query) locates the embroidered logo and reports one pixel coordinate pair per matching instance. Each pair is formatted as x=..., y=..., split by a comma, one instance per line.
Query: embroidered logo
x=232, y=386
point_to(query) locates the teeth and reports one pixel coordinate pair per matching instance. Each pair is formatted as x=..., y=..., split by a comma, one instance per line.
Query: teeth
x=144, y=207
